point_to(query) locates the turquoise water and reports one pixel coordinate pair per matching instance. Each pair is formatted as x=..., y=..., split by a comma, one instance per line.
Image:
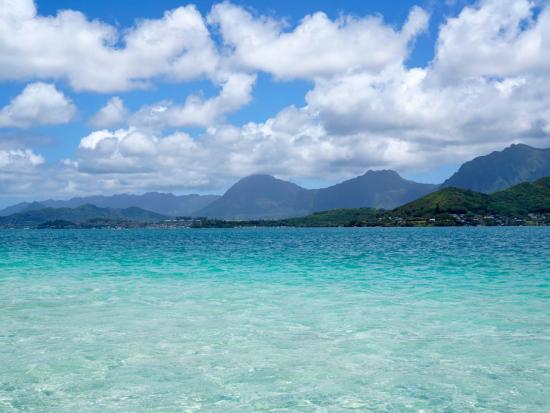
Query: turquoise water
x=282, y=320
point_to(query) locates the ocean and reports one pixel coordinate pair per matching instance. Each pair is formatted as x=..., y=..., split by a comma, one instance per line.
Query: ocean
x=278, y=320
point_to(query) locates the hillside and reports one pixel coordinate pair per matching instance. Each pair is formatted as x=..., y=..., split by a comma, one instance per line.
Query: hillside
x=500, y=170
x=516, y=201
x=523, y=198
x=446, y=201
x=335, y=217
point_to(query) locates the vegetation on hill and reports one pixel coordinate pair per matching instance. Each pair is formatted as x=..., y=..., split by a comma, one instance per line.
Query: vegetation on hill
x=523, y=199
x=336, y=217
x=350, y=216
x=447, y=200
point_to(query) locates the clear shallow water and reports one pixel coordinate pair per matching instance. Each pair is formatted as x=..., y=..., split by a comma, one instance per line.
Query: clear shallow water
x=324, y=320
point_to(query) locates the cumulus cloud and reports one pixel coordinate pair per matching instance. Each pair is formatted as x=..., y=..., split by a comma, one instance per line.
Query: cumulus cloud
x=318, y=46
x=114, y=113
x=403, y=103
x=19, y=159
x=236, y=91
x=19, y=171
x=95, y=56
x=38, y=104
x=494, y=38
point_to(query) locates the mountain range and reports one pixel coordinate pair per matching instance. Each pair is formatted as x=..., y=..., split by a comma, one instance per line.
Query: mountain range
x=33, y=217
x=266, y=197
x=161, y=203
x=527, y=203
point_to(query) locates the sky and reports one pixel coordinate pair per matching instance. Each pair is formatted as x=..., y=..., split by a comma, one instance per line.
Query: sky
x=100, y=98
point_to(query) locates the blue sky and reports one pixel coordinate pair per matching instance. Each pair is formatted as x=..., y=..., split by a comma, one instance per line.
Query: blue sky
x=314, y=92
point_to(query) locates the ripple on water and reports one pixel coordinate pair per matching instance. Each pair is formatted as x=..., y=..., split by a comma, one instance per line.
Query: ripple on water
x=301, y=320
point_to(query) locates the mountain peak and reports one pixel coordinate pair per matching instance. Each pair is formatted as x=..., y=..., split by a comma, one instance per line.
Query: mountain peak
x=260, y=196
x=383, y=188
x=519, y=146
x=382, y=173
x=502, y=169
x=262, y=183
x=258, y=178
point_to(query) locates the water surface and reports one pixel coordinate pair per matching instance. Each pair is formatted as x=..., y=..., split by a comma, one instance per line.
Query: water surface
x=306, y=320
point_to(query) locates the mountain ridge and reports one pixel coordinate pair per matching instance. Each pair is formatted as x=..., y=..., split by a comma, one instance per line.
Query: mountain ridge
x=263, y=196
x=502, y=169
x=374, y=189
x=78, y=214
x=159, y=202
x=527, y=203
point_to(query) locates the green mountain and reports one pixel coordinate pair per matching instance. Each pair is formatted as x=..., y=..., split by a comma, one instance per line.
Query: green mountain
x=517, y=201
x=501, y=170
x=523, y=198
x=448, y=201
x=82, y=213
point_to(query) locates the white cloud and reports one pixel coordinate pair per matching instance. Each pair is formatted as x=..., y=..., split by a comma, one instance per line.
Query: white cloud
x=114, y=113
x=132, y=156
x=17, y=159
x=494, y=38
x=417, y=22
x=38, y=104
x=95, y=56
x=236, y=91
x=19, y=172
x=318, y=46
